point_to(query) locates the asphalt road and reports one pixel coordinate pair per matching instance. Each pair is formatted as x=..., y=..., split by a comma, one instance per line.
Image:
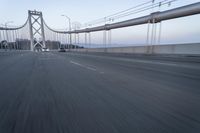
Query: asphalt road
x=91, y=93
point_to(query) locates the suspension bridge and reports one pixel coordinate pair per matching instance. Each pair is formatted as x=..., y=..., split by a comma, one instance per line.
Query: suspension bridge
x=143, y=89
x=35, y=34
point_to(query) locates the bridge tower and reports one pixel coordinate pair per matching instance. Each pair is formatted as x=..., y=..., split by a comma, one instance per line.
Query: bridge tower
x=36, y=28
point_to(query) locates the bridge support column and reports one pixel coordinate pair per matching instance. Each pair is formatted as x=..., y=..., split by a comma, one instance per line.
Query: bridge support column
x=36, y=27
x=152, y=37
x=107, y=38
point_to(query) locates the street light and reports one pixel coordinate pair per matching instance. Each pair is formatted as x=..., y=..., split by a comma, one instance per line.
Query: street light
x=70, y=38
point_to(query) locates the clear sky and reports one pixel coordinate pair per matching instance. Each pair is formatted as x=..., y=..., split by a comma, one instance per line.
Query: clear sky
x=184, y=29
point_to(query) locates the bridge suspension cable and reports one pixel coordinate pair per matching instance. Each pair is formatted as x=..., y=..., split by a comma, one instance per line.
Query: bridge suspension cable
x=184, y=11
x=15, y=37
x=153, y=18
x=131, y=11
x=62, y=37
x=15, y=28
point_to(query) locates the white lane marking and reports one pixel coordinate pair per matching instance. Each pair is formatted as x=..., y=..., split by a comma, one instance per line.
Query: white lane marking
x=90, y=68
x=81, y=65
x=75, y=63
x=155, y=62
x=47, y=58
x=147, y=62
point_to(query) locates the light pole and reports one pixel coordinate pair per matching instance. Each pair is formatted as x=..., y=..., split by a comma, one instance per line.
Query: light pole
x=70, y=37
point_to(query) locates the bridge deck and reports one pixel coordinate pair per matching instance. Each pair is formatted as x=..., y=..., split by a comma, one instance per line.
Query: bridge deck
x=82, y=93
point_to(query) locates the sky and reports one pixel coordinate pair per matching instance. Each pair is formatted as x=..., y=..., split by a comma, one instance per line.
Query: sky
x=173, y=31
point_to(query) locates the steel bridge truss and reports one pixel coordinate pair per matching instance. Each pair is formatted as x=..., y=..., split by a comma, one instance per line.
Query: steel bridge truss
x=36, y=28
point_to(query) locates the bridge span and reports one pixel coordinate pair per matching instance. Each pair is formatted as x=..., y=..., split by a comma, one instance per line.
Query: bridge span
x=36, y=35
x=52, y=81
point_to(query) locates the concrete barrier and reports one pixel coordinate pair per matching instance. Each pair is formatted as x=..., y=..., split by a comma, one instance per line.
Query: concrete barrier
x=188, y=49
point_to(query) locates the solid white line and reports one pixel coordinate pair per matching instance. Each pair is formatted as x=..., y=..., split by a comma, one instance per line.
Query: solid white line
x=76, y=63
x=87, y=67
x=90, y=68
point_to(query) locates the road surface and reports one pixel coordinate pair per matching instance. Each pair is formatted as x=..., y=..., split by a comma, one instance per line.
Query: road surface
x=91, y=93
